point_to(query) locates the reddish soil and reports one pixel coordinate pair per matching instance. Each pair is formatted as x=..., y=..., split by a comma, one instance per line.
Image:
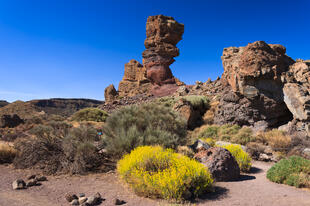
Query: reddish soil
x=253, y=190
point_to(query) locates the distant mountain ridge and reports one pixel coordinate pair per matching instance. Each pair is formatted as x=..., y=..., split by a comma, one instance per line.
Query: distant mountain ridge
x=58, y=106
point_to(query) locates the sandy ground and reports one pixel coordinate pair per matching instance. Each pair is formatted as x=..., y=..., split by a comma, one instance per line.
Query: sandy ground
x=252, y=189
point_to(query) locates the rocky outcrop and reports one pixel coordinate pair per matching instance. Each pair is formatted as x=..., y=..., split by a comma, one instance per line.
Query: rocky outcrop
x=134, y=81
x=297, y=90
x=162, y=35
x=3, y=103
x=254, y=75
x=297, y=95
x=110, y=93
x=220, y=162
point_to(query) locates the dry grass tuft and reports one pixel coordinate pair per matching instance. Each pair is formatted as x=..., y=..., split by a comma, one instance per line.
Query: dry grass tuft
x=7, y=153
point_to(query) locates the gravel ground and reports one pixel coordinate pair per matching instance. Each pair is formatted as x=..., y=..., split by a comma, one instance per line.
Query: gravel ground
x=252, y=189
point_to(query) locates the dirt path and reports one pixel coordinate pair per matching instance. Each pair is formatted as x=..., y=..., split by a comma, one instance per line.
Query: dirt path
x=253, y=190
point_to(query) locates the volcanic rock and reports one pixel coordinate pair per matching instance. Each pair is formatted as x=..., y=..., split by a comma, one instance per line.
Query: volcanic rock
x=110, y=93
x=134, y=81
x=254, y=75
x=162, y=35
x=220, y=162
x=296, y=90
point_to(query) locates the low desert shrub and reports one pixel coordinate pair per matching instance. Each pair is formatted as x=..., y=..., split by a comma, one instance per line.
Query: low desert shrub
x=155, y=172
x=55, y=150
x=244, y=136
x=243, y=159
x=231, y=133
x=277, y=139
x=294, y=171
x=146, y=124
x=90, y=114
x=7, y=153
x=198, y=102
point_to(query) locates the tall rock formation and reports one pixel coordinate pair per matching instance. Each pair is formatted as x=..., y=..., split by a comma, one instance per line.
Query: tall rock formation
x=162, y=35
x=254, y=75
x=154, y=77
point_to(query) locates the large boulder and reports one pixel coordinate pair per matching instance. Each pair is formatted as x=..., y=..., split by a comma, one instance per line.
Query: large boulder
x=297, y=90
x=162, y=35
x=220, y=162
x=254, y=75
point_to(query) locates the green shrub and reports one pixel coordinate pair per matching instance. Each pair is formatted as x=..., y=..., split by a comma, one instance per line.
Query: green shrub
x=154, y=172
x=243, y=159
x=90, y=114
x=146, y=124
x=210, y=132
x=294, y=171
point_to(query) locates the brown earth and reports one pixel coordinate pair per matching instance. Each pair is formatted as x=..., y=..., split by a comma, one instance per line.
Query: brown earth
x=252, y=190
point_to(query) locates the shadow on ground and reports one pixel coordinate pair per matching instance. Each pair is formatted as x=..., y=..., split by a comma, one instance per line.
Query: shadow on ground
x=255, y=170
x=218, y=194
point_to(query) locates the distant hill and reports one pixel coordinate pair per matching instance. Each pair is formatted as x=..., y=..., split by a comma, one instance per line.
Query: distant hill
x=63, y=107
x=3, y=103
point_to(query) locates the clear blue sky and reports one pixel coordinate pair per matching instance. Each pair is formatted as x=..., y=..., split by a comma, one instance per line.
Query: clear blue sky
x=74, y=48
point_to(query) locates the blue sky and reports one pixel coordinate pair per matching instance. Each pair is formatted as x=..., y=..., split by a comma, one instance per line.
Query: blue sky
x=75, y=48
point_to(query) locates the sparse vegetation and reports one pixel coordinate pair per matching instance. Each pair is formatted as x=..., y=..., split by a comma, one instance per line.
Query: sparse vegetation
x=197, y=101
x=146, y=124
x=90, y=114
x=232, y=133
x=155, y=172
x=7, y=153
x=243, y=159
x=294, y=171
x=277, y=139
x=57, y=148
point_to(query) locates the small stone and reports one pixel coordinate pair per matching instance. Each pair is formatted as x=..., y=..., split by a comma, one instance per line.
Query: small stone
x=70, y=197
x=82, y=200
x=19, y=184
x=31, y=177
x=31, y=183
x=74, y=202
x=82, y=195
x=264, y=157
x=98, y=195
x=119, y=202
x=41, y=178
x=92, y=200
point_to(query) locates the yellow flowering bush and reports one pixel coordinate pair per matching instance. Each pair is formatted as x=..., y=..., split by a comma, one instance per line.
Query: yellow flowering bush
x=156, y=172
x=243, y=159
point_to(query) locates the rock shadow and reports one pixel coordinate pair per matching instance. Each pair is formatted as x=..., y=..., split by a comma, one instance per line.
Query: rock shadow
x=243, y=178
x=255, y=170
x=218, y=194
